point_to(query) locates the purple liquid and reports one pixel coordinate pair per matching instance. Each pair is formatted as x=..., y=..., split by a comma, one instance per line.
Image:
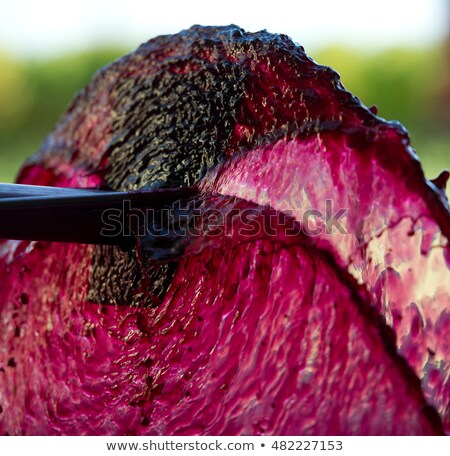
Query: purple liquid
x=271, y=335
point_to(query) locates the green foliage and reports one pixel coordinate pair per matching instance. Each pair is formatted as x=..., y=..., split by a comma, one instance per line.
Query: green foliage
x=34, y=94
x=404, y=84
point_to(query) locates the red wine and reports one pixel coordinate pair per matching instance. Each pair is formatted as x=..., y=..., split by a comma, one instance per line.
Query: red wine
x=323, y=309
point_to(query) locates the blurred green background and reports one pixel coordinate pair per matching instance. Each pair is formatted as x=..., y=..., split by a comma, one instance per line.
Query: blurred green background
x=406, y=84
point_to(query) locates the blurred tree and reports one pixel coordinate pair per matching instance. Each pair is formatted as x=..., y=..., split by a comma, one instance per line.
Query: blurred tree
x=14, y=94
x=405, y=85
x=402, y=83
x=34, y=94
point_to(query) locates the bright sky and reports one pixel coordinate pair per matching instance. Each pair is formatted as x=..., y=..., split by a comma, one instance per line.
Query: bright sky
x=48, y=27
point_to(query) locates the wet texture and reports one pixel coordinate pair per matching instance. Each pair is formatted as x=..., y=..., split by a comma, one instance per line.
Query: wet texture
x=174, y=124
x=390, y=243
x=342, y=333
x=115, y=274
x=284, y=343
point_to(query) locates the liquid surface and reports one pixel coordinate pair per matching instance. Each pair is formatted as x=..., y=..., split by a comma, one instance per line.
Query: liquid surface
x=283, y=332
